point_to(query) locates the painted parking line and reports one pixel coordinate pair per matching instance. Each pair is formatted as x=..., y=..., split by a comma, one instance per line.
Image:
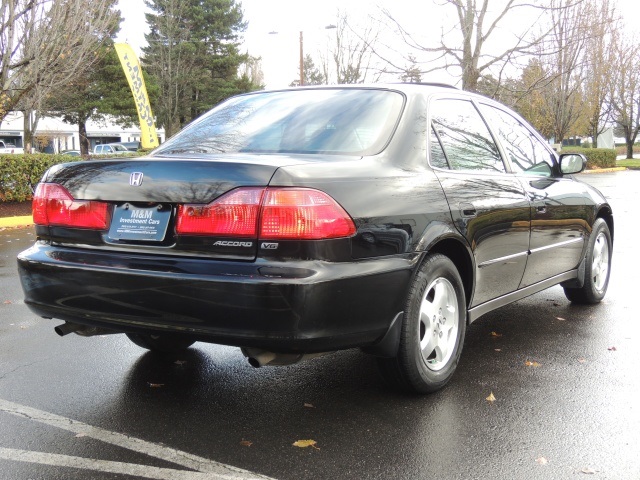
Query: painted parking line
x=105, y=466
x=201, y=465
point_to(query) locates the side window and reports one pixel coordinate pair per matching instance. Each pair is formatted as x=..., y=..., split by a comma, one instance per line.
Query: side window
x=465, y=138
x=544, y=158
x=438, y=158
x=526, y=153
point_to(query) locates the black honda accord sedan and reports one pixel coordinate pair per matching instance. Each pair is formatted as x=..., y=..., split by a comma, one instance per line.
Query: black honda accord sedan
x=298, y=222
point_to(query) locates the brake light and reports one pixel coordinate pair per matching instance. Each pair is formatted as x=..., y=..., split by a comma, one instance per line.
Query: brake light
x=268, y=213
x=303, y=213
x=53, y=205
x=233, y=214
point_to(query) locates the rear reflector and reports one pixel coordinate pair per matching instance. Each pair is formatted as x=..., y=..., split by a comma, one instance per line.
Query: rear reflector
x=54, y=205
x=271, y=213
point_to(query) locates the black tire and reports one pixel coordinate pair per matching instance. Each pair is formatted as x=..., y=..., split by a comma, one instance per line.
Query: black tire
x=422, y=365
x=161, y=343
x=597, y=267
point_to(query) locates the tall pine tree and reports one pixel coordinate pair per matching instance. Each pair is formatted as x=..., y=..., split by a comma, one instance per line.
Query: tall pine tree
x=194, y=55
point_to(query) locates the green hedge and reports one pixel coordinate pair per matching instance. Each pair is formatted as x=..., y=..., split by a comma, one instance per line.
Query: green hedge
x=19, y=174
x=596, y=157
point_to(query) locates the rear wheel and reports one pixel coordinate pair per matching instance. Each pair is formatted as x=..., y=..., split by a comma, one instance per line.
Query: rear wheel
x=597, y=269
x=161, y=343
x=433, y=329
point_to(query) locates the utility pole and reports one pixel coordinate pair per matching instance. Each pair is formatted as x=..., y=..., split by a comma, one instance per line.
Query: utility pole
x=301, y=61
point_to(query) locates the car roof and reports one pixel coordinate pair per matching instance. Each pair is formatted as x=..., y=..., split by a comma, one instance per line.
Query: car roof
x=422, y=87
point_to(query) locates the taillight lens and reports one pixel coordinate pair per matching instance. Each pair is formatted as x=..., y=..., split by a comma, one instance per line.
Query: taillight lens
x=234, y=214
x=271, y=213
x=302, y=213
x=54, y=205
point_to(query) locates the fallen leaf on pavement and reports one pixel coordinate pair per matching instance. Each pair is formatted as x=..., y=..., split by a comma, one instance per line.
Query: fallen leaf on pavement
x=497, y=349
x=561, y=319
x=491, y=398
x=246, y=443
x=305, y=444
x=155, y=385
x=496, y=334
x=180, y=362
x=588, y=471
x=80, y=435
x=612, y=349
x=542, y=461
x=531, y=364
x=309, y=405
x=7, y=302
x=582, y=360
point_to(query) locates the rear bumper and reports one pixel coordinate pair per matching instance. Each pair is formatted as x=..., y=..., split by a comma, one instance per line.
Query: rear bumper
x=305, y=306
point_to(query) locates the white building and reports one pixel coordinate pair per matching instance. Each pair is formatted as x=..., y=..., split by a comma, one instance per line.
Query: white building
x=53, y=135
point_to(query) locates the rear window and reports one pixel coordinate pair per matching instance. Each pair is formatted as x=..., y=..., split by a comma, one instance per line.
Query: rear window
x=330, y=121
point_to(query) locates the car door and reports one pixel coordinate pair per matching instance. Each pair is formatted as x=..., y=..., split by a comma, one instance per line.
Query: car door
x=489, y=206
x=558, y=209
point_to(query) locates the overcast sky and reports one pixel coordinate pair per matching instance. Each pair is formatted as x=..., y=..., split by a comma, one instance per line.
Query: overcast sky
x=279, y=51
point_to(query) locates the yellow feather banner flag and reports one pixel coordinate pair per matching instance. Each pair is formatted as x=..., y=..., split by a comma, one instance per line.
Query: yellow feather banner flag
x=133, y=72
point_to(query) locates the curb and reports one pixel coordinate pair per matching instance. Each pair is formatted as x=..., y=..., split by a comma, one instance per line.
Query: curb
x=12, y=222
x=606, y=170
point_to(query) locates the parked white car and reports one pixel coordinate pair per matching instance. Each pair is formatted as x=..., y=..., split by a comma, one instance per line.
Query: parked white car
x=110, y=149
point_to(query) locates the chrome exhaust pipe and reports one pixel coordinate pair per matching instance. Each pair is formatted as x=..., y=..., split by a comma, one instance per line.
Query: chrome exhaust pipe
x=67, y=328
x=259, y=358
x=82, y=330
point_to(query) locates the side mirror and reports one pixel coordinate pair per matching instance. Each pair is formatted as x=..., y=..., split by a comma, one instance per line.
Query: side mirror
x=572, y=163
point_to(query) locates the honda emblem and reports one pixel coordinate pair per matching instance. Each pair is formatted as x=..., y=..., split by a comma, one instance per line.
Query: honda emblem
x=135, y=180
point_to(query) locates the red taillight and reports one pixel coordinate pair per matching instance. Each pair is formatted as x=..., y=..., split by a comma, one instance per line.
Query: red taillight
x=54, y=205
x=271, y=213
x=234, y=214
x=303, y=213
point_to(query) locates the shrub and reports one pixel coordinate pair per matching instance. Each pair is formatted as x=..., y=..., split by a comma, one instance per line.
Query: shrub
x=19, y=174
x=622, y=149
x=596, y=157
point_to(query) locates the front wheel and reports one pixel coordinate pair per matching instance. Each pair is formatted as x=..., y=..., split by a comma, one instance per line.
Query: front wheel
x=433, y=329
x=597, y=269
x=161, y=343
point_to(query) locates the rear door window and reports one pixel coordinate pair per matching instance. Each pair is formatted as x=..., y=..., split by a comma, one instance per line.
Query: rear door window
x=465, y=138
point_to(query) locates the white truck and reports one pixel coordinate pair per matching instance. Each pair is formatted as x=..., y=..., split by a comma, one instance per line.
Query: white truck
x=9, y=148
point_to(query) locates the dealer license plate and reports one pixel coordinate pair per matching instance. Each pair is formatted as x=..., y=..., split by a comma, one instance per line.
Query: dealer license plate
x=135, y=223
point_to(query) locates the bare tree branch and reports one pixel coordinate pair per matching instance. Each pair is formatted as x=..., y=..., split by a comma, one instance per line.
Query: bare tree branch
x=45, y=43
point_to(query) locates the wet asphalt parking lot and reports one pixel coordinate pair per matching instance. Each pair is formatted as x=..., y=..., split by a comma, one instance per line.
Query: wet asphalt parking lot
x=566, y=383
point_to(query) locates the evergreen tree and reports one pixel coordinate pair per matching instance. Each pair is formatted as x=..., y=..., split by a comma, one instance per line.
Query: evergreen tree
x=194, y=54
x=102, y=91
x=312, y=75
x=411, y=73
